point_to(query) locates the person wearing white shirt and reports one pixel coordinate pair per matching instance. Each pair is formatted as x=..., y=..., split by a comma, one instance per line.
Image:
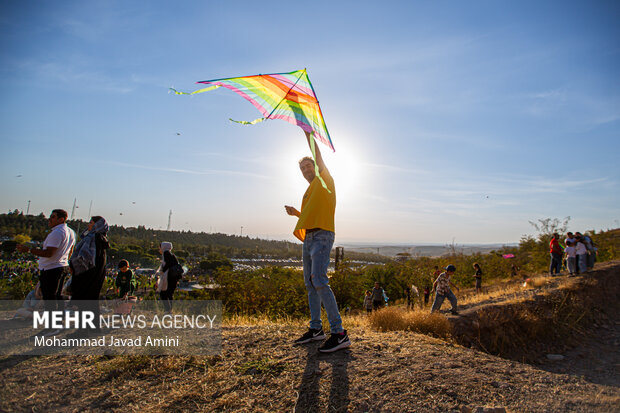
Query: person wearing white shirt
x=582, y=255
x=571, y=257
x=53, y=258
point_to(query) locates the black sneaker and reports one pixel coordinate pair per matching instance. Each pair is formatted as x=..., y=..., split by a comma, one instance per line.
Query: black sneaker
x=311, y=335
x=336, y=342
x=454, y=312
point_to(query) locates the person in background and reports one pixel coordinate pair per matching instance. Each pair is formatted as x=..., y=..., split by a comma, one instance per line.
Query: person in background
x=441, y=286
x=168, y=261
x=415, y=296
x=125, y=281
x=87, y=264
x=571, y=257
x=53, y=262
x=407, y=295
x=368, y=302
x=478, y=277
x=427, y=295
x=378, y=295
x=582, y=255
x=587, y=241
x=32, y=302
x=556, y=253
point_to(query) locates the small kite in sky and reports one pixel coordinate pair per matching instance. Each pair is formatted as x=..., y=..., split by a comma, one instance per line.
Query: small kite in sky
x=287, y=96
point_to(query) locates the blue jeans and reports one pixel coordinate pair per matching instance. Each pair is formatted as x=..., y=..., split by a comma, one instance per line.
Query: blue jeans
x=317, y=246
x=439, y=301
x=556, y=263
x=582, y=262
x=591, y=259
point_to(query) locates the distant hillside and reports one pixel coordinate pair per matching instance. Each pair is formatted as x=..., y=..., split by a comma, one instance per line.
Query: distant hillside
x=146, y=240
x=423, y=250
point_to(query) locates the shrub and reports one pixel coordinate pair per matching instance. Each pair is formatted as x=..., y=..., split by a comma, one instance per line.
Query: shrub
x=395, y=319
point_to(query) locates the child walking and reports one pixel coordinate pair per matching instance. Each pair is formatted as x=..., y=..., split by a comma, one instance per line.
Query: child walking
x=125, y=281
x=571, y=257
x=368, y=302
x=442, y=287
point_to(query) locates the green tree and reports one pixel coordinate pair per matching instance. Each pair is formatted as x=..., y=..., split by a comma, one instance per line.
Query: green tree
x=21, y=238
x=215, y=261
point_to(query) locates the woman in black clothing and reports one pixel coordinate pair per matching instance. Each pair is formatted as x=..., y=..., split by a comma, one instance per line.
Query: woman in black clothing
x=168, y=261
x=87, y=266
x=478, y=277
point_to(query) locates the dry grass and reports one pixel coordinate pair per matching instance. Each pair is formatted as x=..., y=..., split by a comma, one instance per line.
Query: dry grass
x=503, y=291
x=419, y=321
x=387, y=319
x=537, y=282
x=240, y=320
x=348, y=321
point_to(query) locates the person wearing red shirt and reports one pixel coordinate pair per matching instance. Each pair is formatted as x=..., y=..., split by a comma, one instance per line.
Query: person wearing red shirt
x=556, y=253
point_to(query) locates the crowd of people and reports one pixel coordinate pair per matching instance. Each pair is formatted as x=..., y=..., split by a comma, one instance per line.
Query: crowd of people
x=577, y=254
x=376, y=298
x=78, y=270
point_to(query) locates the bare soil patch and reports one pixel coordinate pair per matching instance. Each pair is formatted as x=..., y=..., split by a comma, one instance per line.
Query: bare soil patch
x=574, y=319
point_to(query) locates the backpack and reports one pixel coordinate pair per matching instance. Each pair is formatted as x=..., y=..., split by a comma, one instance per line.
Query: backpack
x=175, y=272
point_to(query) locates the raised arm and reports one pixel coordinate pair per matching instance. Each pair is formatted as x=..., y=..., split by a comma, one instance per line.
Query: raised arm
x=319, y=157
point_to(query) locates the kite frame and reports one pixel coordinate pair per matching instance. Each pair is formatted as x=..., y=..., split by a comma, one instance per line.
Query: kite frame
x=304, y=71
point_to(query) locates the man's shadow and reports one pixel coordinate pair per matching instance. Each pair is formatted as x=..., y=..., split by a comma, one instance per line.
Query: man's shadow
x=309, y=391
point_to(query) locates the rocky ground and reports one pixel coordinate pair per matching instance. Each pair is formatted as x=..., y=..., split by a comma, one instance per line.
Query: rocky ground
x=259, y=370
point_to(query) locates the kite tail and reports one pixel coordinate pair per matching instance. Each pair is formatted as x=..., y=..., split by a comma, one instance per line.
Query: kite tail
x=206, y=89
x=245, y=122
x=316, y=167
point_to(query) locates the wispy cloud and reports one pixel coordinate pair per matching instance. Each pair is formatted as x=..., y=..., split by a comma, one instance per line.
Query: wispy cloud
x=188, y=171
x=548, y=185
x=552, y=94
x=257, y=160
x=392, y=168
x=582, y=110
x=72, y=74
x=473, y=197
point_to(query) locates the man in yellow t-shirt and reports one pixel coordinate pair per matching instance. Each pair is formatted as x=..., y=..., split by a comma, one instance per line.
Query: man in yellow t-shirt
x=315, y=228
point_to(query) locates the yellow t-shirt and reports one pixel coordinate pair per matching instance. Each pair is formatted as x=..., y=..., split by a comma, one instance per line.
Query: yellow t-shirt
x=317, y=207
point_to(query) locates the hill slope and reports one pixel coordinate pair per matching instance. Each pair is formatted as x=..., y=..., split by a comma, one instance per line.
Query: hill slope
x=259, y=370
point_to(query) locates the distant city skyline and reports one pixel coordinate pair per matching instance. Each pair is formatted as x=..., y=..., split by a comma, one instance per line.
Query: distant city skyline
x=450, y=120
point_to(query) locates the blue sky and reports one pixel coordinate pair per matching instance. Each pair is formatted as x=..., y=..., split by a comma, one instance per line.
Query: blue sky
x=451, y=120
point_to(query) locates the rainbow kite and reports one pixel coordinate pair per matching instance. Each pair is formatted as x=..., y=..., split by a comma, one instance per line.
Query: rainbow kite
x=288, y=96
